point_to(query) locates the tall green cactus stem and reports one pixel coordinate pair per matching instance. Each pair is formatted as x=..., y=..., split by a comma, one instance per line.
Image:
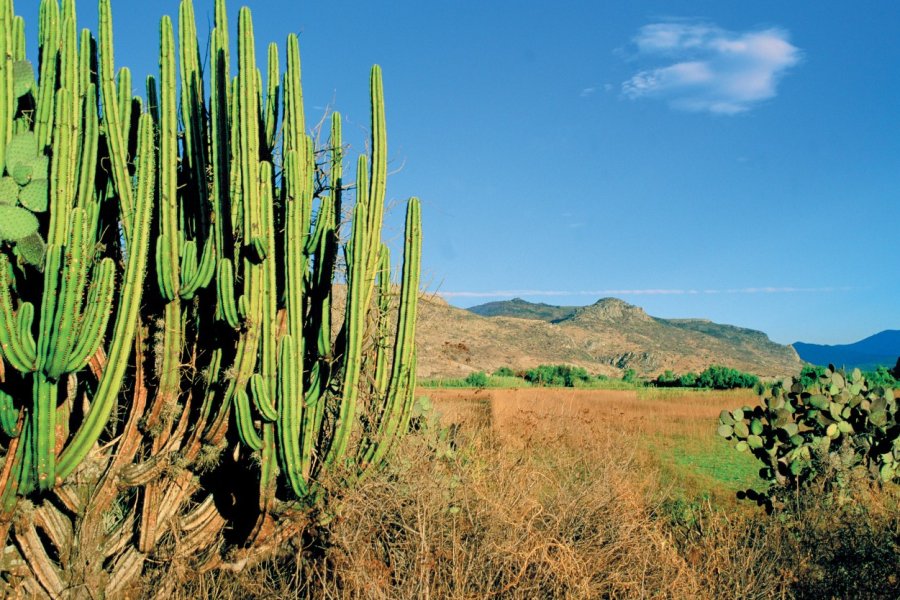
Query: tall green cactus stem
x=362, y=276
x=113, y=119
x=239, y=198
x=201, y=222
x=48, y=43
x=7, y=93
x=128, y=305
x=400, y=388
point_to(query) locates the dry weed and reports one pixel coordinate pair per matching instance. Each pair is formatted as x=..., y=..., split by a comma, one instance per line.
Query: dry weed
x=549, y=497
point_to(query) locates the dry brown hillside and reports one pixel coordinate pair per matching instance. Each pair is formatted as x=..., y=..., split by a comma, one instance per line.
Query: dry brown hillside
x=606, y=337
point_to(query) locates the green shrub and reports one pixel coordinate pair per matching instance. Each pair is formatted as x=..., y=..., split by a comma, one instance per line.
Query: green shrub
x=724, y=378
x=504, y=372
x=882, y=376
x=715, y=377
x=688, y=380
x=557, y=375
x=478, y=379
x=667, y=379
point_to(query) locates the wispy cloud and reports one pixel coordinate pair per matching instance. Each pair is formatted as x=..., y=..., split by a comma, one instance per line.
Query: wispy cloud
x=642, y=292
x=710, y=69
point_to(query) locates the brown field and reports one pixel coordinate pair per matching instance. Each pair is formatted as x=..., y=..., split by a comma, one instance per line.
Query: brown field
x=540, y=493
x=524, y=412
x=671, y=431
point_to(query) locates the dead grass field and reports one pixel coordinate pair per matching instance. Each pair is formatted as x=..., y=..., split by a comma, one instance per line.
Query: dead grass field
x=670, y=431
x=539, y=493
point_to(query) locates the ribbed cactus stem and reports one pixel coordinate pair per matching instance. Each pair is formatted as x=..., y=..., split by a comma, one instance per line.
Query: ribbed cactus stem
x=378, y=178
x=87, y=158
x=354, y=328
x=7, y=94
x=112, y=119
x=127, y=308
x=402, y=379
x=248, y=123
x=48, y=41
x=273, y=90
x=167, y=244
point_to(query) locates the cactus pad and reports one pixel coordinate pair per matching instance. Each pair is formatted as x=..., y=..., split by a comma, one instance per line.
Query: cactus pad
x=34, y=195
x=16, y=223
x=40, y=167
x=31, y=249
x=21, y=151
x=23, y=77
x=9, y=191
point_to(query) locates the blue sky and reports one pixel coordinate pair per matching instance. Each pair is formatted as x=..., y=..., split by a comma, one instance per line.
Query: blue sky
x=735, y=161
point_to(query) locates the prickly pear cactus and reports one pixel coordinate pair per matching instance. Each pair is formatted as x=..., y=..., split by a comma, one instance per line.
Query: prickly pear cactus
x=24, y=189
x=797, y=430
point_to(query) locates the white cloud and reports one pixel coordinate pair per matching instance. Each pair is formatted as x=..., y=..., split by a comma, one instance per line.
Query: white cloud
x=710, y=69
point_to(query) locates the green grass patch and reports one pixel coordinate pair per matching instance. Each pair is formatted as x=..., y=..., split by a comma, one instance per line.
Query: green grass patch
x=718, y=462
x=493, y=382
x=703, y=468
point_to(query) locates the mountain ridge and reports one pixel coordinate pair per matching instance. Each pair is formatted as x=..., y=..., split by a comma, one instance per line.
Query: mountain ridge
x=606, y=337
x=882, y=348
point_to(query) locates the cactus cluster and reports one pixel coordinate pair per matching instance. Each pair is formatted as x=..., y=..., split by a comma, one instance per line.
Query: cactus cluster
x=24, y=187
x=797, y=430
x=175, y=320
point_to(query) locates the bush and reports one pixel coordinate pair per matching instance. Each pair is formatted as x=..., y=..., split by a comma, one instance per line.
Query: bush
x=557, y=375
x=504, y=372
x=724, y=378
x=715, y=377
x=688, y=380
x=882, y=376
x=667, y=379
x=478, y=379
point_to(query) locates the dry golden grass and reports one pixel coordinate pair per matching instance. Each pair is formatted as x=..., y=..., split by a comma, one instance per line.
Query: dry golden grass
x=549, y=494
x=667, y=430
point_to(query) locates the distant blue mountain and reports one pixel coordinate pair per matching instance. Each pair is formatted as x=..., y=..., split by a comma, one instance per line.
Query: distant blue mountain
x=880, y=349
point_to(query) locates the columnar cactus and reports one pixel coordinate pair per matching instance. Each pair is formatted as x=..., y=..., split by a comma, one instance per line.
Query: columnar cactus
x=252, y=371
x=77, y=296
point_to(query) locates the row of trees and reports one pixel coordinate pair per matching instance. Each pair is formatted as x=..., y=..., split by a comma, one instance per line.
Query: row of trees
x=714, y=377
